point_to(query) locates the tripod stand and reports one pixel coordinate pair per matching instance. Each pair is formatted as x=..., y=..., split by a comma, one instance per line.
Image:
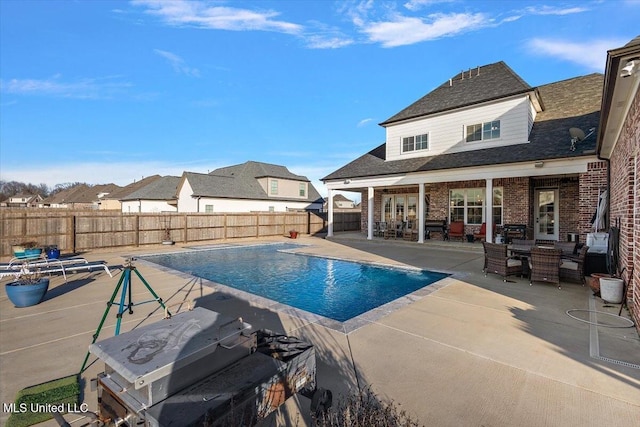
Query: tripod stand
x=126, y=303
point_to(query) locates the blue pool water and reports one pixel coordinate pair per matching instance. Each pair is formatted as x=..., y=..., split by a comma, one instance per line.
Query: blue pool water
x=331, y=288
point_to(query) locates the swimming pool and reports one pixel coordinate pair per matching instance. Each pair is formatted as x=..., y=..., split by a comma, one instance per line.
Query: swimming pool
x=336, y=289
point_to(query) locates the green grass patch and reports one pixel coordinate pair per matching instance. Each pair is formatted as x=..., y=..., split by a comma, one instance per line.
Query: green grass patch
x=28, y=407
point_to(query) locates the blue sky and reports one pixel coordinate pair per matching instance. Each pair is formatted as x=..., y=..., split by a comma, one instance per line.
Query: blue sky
x=110, y=92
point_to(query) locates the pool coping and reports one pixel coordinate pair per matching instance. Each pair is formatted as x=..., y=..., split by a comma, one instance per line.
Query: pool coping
x=345, y=327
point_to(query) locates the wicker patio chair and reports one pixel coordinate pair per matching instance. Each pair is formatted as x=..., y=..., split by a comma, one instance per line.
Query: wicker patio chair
x=382, y=228
x=498, y=262
x=544, y=265
x=573, y=268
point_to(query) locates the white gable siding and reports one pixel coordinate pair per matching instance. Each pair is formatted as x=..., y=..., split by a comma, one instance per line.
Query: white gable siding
x=286, y=187
x=186, y=203
x=237, y=205
x=447, y=131
x=146, y=206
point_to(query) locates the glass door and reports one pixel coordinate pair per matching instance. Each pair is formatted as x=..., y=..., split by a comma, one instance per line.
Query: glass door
x=400, y=208
x=387, y=209
x=546, y=214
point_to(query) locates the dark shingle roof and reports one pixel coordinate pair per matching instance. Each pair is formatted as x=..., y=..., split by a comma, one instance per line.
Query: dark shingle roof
x=241, y=182
x=481, y=84
x=163, y=188
x=134, y=186
x=568, y=103
x=255, y=170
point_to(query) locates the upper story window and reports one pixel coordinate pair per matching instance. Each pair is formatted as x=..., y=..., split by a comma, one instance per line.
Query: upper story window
x=483, y=131
x=274, y=186
x=303, y=189
x=415, y=143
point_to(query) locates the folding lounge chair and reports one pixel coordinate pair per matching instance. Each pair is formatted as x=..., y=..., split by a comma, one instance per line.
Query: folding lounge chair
x=62, y=267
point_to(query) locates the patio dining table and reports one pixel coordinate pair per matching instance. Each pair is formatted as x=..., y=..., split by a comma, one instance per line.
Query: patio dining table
x=523, y=252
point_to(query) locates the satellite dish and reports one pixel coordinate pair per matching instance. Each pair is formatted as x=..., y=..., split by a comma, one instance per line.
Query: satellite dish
x=576, y=134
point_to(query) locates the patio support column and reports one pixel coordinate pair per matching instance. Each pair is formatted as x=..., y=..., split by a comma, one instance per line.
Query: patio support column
x=330, y=213
x=421, y=213
x=489, y=210
x=370, y=213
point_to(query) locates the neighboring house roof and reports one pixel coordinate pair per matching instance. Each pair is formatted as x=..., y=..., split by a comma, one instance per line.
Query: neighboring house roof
x=65, y=196
x=481, y=84
x=28, y=197
x=134, y=186
x=163, y=188
x=241, y=182
x=254, y=170
x=90, y=194
x=568, y=103
x=80, y=194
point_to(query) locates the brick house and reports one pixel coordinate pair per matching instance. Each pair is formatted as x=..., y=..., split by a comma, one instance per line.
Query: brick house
x=485, y=147
x=619, y=144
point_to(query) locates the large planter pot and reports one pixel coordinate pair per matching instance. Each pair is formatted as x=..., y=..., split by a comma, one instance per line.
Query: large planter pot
x=26, y=295
x=611, y=290
x=293, y=234
x=594, y=283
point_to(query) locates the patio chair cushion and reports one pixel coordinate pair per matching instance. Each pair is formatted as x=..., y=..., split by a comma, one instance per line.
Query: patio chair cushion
x=513, y=262
x=569, y=265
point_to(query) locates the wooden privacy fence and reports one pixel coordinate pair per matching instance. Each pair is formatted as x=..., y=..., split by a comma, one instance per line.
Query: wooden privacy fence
x=73, y=231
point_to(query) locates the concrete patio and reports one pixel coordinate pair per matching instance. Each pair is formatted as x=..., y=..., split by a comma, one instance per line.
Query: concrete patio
x=472, y=351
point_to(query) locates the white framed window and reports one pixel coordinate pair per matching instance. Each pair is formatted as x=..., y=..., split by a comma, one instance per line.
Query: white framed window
x=483, y=131
x=303, y=189
x=274, y=186
x=415, y=143
x=208, y=208
x=467, y=205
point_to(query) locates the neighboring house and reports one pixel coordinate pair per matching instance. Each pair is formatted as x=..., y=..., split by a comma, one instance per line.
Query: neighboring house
x=342, y=204
x=619, y=144
x=247, y=187
x=112, y=200
x=79, y=197
x=157, y=196
x=24, y=201
x=486, y=147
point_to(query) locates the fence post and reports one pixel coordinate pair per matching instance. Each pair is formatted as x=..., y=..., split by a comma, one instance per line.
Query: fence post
x=257, y=225
x=73, y=234
x=225, y=226
x=186, y=229
x=137, y=230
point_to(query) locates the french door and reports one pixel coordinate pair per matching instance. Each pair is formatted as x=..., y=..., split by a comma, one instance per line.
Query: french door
x=546, y=215
x=399, y=207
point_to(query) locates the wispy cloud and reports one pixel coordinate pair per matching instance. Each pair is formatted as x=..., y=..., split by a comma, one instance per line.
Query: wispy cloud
x=414, y=5
x=86, y=88
x=589, y=53
x=364, y=122
x=404, y=30
x=119, y=173
x=204, y=15
x=178, y=63
x=552, y=10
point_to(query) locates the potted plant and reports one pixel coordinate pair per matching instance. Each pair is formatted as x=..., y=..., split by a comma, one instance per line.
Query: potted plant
x=28, y=289
x=293, y=234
